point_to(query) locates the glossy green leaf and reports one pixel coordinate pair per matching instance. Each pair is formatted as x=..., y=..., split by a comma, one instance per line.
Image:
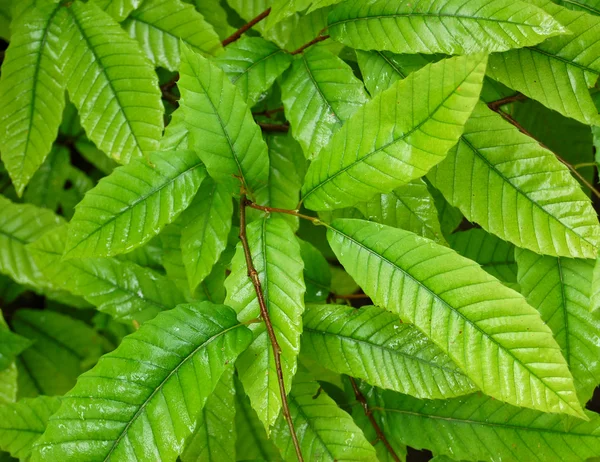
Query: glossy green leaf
x=494, y=255
x=385, y=144
x=129, y=207
x=588, y=6
x=21, y=224
x=450, y=27
x=47, y=183
x=221, y=127
x=319, y=93
x=380, y=69
x=252, y=64
x=214, y=439
x=204, y=236
x=560, y=290
x=309, y=26
x=252, y=441
x=409, y=207
x=62, y=348
x=374, y=345
x=480, y=428
x=165, y=371
x=277, y=259
x=9, y=384
x=31, y=91
x=488, y=330
x=118, y=9
x=124, y=290
x=450, y=217
x=160, y=25
x=283, y=9
x=124, y=120
x=22, y=423
x=5, y=19
x=542, y=206
x=595, y=288
x=176, y=136
x=325, y=432
x=317, y=275
x=557, y=72
x=216, y=15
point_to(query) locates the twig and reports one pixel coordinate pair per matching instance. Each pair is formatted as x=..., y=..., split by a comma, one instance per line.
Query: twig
x=350, y=296
x=380, y=435
x=584, y=165
x=238, y=33
x=295, y=213
x=274, y=127
x=513, y=122
x=495, y=105
x=268, y=112
x=317, y=39
x=264, y=312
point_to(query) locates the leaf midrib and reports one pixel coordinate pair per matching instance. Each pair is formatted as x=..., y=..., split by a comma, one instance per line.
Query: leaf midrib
x=160, y=386
x=385, y=146
x=454, y=310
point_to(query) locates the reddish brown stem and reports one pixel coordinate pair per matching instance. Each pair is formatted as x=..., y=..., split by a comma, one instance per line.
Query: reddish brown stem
x=318, y=39
x=380, y=435
x=238, y=33
x=495, y=105
x=268, y=112
x=295, y=213
x=264, y=313
x=274, y=127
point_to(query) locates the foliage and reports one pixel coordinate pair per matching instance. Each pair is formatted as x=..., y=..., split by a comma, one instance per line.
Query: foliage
x=321, y=230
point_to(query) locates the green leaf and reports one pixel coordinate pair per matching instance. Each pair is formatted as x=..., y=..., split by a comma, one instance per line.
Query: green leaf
x=124, y=290
x=11, y=345
x=450, y=27
x=311, y=25
x=276, y=257
x=214, y=13
x=543, y=208
x=22, y=423
x=252, y=441
x=47, y=184
x=221, y=127
x=176, y=136
x=319, y=93
x=118, y=9
x=557, y=72
x=404, y=143
x=317, y=275
x=161, y=25
x=559, y=288
x=380, y=69
x=283, y=9
x=325, y=432
x=5, y=19
x=62, y=348
x=374, y=345
x=595, y=289
x=8, y=385
x=409, y=207
x=214, y=439
x=101, y=60
x=450, y=217
x=166, y=371
x=31, y=91
x=204, y=236
x=494, y=255
x=129, y=207
x=21, y=224
x=252, y=64
x=480, y=428
x=487, y=329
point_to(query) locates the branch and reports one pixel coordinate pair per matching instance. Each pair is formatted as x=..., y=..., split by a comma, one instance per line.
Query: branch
x=513, y=122
x=380, y=435
x=295, y=213
x=268, y=112
x=318, y=39
x=495, y=105
x=238, y=33
x=264, y=313
x=274, y=127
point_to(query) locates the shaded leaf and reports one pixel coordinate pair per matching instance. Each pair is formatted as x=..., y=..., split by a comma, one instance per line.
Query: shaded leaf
x=47, y=183
x=118, y=9
x=317, y=275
